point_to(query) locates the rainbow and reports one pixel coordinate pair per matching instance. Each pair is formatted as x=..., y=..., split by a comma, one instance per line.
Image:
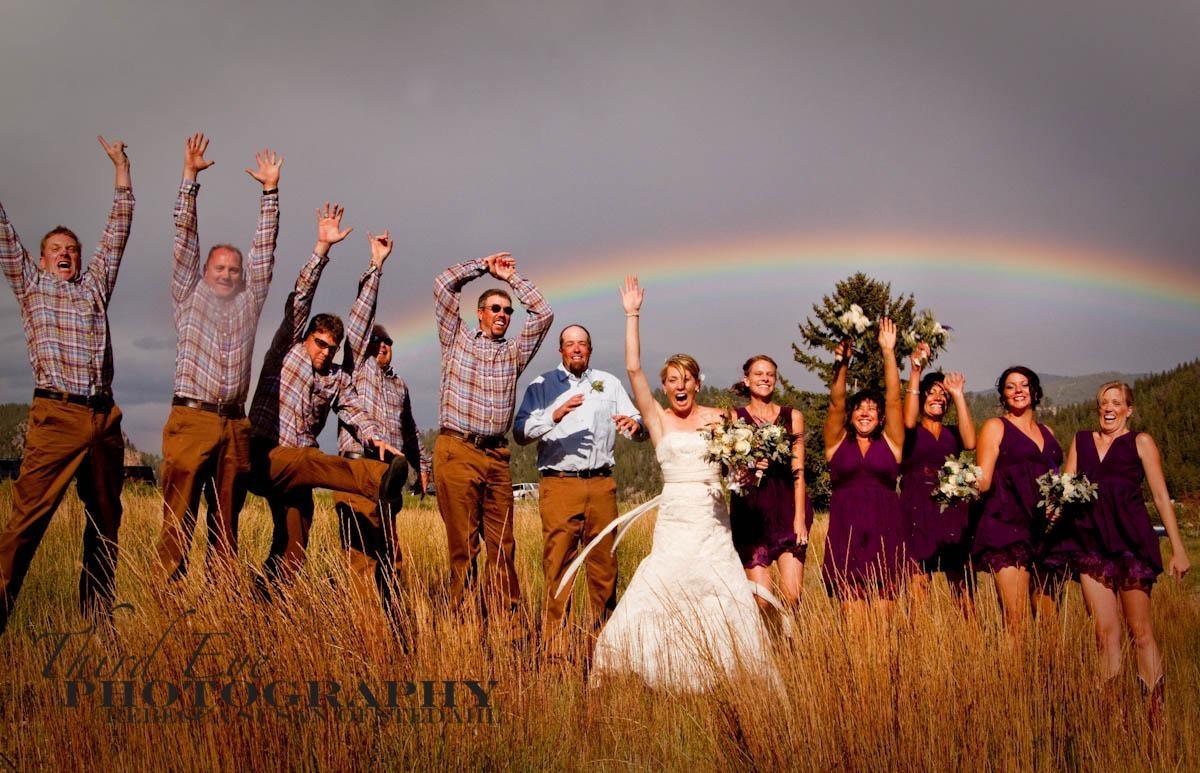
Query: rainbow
x=584, y=279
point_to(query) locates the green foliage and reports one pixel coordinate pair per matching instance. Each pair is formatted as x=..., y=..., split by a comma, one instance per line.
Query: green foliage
x=818, y=332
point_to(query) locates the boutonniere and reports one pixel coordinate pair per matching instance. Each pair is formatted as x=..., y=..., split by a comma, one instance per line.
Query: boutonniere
x=597, y=386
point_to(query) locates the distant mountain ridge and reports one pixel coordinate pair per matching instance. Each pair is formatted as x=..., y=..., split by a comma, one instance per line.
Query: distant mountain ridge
x=1065, y=390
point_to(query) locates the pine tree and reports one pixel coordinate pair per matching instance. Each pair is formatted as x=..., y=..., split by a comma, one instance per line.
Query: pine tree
x=875, y=298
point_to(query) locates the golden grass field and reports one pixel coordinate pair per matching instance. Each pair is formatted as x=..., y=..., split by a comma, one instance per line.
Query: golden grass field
x=926, y=690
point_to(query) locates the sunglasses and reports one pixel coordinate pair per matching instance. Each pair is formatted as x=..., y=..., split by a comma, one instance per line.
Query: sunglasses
x=497, y=308
x=381, y=340
x=327, y=346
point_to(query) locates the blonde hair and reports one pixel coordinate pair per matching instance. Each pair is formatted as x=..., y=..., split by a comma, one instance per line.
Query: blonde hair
x=684, y=363
x=1126, y=391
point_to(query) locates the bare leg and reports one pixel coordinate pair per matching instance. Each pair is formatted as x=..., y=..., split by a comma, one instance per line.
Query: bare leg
x=1141, y=629
x=762, y=576
x=1102, y=603
x=1012, y=585
x=791, y=578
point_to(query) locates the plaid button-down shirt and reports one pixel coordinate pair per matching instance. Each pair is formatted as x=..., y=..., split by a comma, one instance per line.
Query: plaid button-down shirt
x=293, y=401
x=216, y=335
x=385, y=395
x=479, y=374
x=66, y=323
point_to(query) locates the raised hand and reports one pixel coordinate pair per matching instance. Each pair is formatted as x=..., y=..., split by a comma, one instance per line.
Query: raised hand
x=954, y=382
x=887, y=334
x=491, y=262
x=329, y=227
x=269, y=163
x=632, y=295
x=194, y=161
x=381, y=247
x=503, y=267
x=843, y=351
x=115, y=151
x=919, y=356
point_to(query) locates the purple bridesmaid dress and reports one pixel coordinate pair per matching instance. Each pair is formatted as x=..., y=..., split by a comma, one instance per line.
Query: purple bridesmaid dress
x=762, y=515
x=1012, y=528
x=864, y=549
x=1117, y=542
x=937, y=539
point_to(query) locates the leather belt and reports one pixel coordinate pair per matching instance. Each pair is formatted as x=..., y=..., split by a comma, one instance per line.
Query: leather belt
x=352, y=455
x=224, y=410
x=475, y=439
x=95, y=402
x=599, y=472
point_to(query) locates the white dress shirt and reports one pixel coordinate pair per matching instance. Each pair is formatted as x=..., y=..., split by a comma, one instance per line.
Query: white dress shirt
x=585, y=437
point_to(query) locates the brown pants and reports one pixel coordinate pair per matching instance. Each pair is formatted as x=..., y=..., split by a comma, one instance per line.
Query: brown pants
x=286, y=477
x=198, y=448
x=574, y=511
x=66, y=441
x=369, y=540
x=474, y=493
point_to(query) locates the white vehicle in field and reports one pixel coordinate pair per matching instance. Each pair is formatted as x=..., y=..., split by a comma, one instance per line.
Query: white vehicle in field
x=525, y=491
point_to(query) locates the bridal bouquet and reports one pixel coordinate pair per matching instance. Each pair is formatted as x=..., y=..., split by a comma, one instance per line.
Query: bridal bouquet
x=1064, y=488
x=958, y=480
x=852, y=324
x=926, y=329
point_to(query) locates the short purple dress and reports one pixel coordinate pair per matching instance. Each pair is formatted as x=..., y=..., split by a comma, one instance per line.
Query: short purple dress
x=864, y=549
x=763, y=515
x=1117, y=542
x=937, y=539
x=1012, y=528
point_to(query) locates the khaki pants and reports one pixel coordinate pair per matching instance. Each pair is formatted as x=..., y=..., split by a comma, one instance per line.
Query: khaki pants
x=66, y=441
x=474, y=493
x=368, y=537
x=200, y=447
x=286, y=477
x=574, y=511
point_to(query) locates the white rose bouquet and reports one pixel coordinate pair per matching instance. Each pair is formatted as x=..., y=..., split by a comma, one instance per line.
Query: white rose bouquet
x=926, y=329
x=958, y=480
x=852, y=324
x=1064, y=488
x=737, y=446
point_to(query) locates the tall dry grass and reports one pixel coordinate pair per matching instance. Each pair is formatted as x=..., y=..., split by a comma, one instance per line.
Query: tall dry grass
x=926, y=689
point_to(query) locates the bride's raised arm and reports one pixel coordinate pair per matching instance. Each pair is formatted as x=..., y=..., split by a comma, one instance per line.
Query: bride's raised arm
x=643, y=397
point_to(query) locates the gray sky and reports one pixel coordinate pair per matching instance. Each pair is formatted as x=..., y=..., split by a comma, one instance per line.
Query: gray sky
x=566, y=132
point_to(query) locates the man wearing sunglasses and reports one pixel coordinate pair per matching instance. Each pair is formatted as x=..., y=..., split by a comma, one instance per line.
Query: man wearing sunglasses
x=298, y=386
x=367, y=536
x=74, y=426
x=478, y=392
x=206, y=439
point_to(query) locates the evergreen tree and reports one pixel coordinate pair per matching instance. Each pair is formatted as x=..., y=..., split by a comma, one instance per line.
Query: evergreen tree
x=819, y=332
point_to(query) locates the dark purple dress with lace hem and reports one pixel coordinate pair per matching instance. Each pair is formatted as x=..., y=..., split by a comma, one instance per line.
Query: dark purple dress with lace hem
x=864, y=550
x=1117, y=542
x=762, y=516
x=937, y=539
x=1012, y=528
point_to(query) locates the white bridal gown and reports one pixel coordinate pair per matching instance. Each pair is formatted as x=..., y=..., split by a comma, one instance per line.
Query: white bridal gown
x=688, y=615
